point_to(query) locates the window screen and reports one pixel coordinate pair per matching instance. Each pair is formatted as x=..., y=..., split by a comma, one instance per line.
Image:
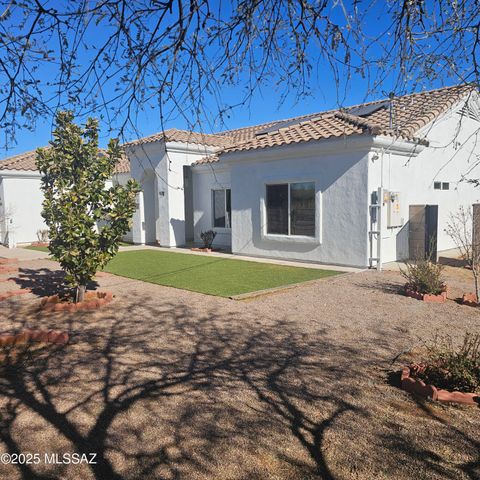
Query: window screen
x=291, y=209
x=222, y=208
x=302, y=209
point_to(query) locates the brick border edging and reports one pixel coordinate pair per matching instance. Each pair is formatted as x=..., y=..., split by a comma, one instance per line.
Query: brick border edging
x=28, y=335
x=470, y=299
x=93, y=301
x=425, y=297
x=8, y=269
x=418, y=387
x=14, y=293
x=8, y=261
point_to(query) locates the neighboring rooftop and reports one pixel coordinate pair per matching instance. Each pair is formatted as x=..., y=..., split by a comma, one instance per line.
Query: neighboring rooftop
x=26, y=162
x=185, y=136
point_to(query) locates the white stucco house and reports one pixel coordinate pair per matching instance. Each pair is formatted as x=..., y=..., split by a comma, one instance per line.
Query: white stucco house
x=21, y=197
x=358, y=186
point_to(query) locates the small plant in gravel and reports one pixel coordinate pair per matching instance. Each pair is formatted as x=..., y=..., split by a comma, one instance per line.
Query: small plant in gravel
x=453, y=368
x=42, y=235
x=208, y=237
x=424, y=276
x=461, y=228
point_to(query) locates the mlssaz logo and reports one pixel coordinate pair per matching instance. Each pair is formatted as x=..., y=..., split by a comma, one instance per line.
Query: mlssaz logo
x=71, y=458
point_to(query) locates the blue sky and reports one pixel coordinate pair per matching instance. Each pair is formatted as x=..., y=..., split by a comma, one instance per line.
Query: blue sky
x=265, y=104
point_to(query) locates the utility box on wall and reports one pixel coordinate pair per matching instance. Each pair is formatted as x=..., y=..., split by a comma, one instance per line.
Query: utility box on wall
x=394, y=211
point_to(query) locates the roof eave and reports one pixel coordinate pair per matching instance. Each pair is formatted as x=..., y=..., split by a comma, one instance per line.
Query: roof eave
x=350, y=143
x=20, y=173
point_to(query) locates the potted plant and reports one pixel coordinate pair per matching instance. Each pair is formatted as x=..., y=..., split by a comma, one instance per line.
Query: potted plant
x=424, y=281
x=207, y=237
x=447, y=373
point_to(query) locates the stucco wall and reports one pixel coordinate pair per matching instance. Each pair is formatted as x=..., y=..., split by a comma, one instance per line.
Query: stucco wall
x=451, y=154
x=159, y=170
x=22, y=200
x=341, y=199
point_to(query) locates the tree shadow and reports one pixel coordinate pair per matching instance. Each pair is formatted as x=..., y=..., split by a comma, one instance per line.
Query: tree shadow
x=45, y=281
x=158, y=390
x=126, y=367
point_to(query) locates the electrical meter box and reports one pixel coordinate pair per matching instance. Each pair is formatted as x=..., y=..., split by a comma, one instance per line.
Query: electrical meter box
x=394, y=214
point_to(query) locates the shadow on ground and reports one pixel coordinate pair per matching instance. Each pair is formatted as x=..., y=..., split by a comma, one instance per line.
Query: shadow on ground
x=158, y=390
x=45, y=281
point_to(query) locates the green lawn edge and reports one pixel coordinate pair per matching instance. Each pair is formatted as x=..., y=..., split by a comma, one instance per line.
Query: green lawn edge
x=216, y=276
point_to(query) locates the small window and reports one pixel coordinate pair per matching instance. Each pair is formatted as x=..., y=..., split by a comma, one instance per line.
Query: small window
x=437, y=185
x=291, y=209
x=445, y=186
x=222, y=208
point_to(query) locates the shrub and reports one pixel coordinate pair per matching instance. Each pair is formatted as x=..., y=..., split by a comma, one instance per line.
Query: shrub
x=86, y=218
x=424, y=277
x=453, y=368
x=42, y=235
x=208, y=237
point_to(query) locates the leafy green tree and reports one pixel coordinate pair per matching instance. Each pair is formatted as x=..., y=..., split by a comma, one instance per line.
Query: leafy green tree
x=86, y=219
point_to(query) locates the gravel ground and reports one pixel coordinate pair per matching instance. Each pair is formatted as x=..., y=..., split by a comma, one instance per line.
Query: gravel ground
x=168, y=384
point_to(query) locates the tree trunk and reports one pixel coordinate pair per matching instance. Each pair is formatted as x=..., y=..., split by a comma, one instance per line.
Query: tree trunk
x=80, y=293
x=477, y=289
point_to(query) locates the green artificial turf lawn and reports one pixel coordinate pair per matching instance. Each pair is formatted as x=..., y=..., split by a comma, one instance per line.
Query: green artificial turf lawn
x=210, y=275
x=45, y=249
x=41, y=249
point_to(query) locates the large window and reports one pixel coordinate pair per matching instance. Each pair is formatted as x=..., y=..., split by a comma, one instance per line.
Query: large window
x=291, y=209
x=222, y=208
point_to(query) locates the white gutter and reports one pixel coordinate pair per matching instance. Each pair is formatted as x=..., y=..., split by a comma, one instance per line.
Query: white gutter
x=20, y=173
x=324, y=146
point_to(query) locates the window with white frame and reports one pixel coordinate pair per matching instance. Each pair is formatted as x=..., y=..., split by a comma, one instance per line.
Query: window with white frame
x=290, y=209
x=222, y=208
x=441, y=185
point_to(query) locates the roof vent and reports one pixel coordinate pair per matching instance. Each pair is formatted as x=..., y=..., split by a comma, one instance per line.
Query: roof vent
x=366, y=110
x=286, y=123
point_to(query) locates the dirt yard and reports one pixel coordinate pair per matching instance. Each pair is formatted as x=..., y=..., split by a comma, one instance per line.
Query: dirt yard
x=169, y=384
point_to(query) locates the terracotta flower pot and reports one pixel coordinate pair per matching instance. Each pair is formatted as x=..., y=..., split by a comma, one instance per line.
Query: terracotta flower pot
x=418, y=387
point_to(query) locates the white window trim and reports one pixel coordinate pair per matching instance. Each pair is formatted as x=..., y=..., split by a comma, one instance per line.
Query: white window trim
x=317, y=239
x=220, y=229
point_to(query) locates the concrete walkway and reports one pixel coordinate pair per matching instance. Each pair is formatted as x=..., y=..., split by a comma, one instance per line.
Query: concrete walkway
x=23, y=254
x=230, y=256
x=445, y=257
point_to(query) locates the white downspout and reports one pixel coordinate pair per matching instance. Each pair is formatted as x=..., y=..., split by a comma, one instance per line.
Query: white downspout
x=380, y=214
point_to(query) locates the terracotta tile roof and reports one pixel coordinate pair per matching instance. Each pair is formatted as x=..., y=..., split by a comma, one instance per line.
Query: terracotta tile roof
x=186, y=136
x=26, y=162
x=410, y=114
